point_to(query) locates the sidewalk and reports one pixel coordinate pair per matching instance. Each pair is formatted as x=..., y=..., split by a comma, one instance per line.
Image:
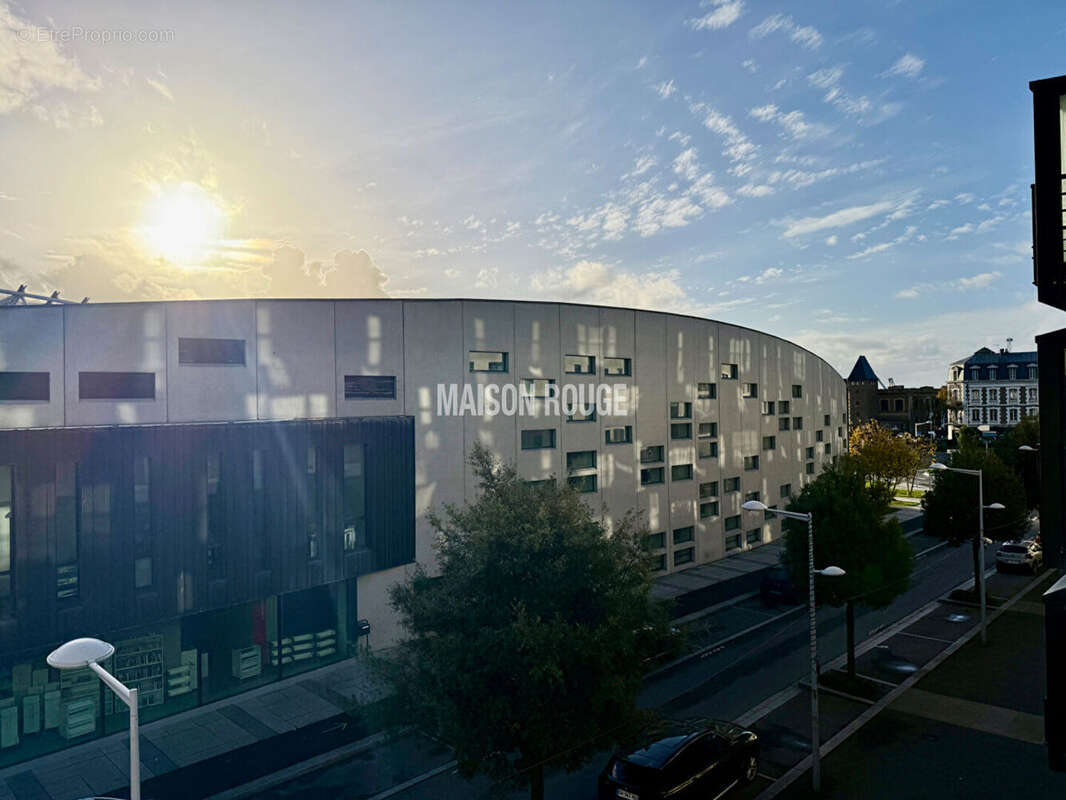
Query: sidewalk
x=971, y=726
x=299, y=713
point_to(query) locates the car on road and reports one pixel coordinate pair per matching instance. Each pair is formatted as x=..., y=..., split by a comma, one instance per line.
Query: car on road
x=1024, y=555
x=692, y=759
x=777, y=587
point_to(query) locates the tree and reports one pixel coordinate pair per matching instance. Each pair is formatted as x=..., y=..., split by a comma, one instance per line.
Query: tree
x=1026, y=465
x=951, y=505
x=531, y=643
x=852, y=530
x=887, y=458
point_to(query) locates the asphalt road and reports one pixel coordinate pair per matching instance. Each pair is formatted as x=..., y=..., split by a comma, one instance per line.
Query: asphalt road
x=725, y=684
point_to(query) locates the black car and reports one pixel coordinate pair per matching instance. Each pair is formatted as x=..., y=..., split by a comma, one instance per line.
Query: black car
x=702, y=760
x=777, y=587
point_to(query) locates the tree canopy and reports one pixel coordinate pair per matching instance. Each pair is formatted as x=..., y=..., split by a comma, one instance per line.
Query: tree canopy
x=530, y=643
x=887, y=458
x=1026, y=465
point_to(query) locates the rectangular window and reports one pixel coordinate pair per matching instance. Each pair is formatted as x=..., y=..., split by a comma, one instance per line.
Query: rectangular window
x=584, y=484
x=116, y=385
x=24, y=386
x=369, y=387
x=784, y=423
x=785, y=491
x=810, y=452
x=354, y=498
x=585, y=413
x=681, y=472
x=828, y=448
x=827, y=422
x=650, y=475
x=731, y=484
x=769, y=443
x=840, y=432
x=617, y=366
x=750, y=390
x=651, y=454
x=537, y=387
x=7, y=497
x=579, y=365
x=783, y=407
x=216, y=512
x=142, y=522
x=818, y=436
x=211, y=351
x=708, y=430
x=755, y=536
x=768, y=408
x=73, y=512
x=709, y=489
x=681, y=430
x=681, y=411
x=686, y=556
x=683, y=535
x=797, y=423
x=732, y=523
x=749, y=496
x=810, y=468
x=706, y=448
x=543, y=439
x=797, y=390
x=487, y=361
x=619, y=435
x=751, y=462
x=709, y=509
x=706, y=391
x=732, y=542
x=657, y=563
x=730, y=372
x=581, y=459
x=542, y=482
x=655, y=541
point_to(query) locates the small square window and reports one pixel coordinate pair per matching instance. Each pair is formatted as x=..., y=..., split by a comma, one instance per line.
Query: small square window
x=681, y=472
x=706, y=391
x=709, y=489
x=732, y=484
x=579, y=365
x=681, y=430
x=797, y=423
x=619, y=435
x=584, y=484
x=708, y=430
x=732, y=523
x=784, y=423
x=581, y=459
x=538, y=387
x=543, y=439
x=681, y=411
x=683, y=535
x=586, y=413
x=487, y=361
x=707, y=448
x=732, y=542
x=730, y=372
x=818, y=436
x=655, y=541
x=827, y=422
x=755, y=536
x=750, y=390
x=709, y=509
x=769, y=443
x=784, y=407
x=785, y=491
x=810, y=453
x=651, y=454
x=797, y=391
x=652, y=475
x=751, y=462
x=686, y=556
x=768, y=408
x=142, y=573
x=752, y=496
x=828, y=448
x=617, y=367
x=810, y=468
x=657, y=563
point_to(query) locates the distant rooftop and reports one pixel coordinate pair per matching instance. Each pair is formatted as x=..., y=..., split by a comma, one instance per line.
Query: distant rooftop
x=862, y=371
x=987, y=356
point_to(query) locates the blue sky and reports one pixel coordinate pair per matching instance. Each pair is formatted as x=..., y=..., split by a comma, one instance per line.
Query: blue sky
x=851, y=176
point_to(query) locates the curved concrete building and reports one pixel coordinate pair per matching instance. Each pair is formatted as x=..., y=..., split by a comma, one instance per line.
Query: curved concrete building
x=232, y=486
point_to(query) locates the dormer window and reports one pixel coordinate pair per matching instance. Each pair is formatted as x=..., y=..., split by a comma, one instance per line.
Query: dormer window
x=992, y=373
x=1032, y=372
x=1012, y=372
x=975, y=374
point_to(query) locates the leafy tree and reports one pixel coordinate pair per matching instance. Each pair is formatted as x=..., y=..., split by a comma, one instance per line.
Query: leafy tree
x=1025, y=464
x=886, y=458
x=951, y=505
x=852, y=530
x=531, y=642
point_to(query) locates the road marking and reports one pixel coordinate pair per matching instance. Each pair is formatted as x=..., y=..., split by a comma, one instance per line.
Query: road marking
x=927, y=638
x=403, y=787
x=973, y=715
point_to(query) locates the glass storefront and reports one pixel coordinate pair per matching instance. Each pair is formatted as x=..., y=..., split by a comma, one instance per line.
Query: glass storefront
x=175, y=666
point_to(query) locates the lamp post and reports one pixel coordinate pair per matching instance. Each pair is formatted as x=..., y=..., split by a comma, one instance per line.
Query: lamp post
x=81, y=653
x=917, y=425
x=829, y=572
x=938, y=467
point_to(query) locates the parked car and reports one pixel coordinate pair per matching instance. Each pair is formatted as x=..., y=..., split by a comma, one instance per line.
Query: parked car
x=1027, y=555
x=695, y=759
x=777, y=587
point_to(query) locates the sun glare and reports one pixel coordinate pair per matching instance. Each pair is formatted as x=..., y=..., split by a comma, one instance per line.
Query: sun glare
x=182, y=224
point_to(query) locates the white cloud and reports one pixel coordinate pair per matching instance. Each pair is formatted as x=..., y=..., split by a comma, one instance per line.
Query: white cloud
x=862, y=107
x=665, y=89
x=665, y=212
x=964, y=198
x=755, y=190
x=641, y=165
x=960, y=230
x=738, y=148
x=831, y=240
x=161, y=88
x=838, y=219
x=488, y=278
x=798, y=178
x=596, y=282
x=750, y=65
x=982, y=280
x=793, y=123
x=687, y=164
x=710, y=195
x=906, y=236
x=724, y=14
x=31, y=66
x=805, y=36
x=908, y=66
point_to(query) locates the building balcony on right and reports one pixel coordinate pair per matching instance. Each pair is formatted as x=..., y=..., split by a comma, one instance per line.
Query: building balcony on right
x=1049, y=190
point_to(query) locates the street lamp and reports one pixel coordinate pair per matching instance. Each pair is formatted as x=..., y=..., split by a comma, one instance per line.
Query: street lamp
x=829, y=572
x=917, y=425
x=936, y=466
x=81, y=653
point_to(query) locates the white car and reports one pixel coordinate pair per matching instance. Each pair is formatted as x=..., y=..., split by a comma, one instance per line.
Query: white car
x=1027, y=555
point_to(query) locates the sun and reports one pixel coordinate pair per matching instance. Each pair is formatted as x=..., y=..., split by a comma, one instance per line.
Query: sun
x=182, y=224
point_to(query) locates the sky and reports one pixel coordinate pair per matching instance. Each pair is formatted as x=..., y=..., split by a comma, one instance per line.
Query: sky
x=853, y=177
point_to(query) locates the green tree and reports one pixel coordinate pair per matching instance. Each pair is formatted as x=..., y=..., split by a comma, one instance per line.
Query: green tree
x=886, y=458
x=530, y=644
x=951, y=505
x=852, y=530
x=1026, y=465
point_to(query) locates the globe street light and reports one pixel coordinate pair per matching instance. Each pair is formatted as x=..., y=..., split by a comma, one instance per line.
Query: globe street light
x=81, y=653
x=828, y=572
x=936, y=466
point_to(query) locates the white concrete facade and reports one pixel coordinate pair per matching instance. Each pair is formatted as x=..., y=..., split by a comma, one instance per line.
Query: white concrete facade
x=298, y=352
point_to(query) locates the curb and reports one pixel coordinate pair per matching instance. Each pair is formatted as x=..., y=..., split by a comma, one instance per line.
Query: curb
x=804, y=765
